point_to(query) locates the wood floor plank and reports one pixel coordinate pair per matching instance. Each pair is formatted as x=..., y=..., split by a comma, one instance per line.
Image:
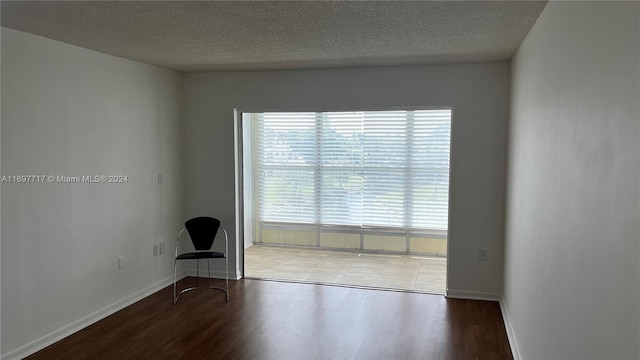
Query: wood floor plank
x=278, y=320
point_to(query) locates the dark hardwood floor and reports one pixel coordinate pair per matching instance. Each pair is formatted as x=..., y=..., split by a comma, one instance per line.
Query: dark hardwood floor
x=278, y=320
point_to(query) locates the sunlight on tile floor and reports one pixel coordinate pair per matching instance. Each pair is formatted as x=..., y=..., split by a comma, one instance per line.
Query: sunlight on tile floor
x=401, y=272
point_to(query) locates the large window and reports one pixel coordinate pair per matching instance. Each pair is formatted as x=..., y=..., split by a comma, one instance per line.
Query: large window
x=371, y=169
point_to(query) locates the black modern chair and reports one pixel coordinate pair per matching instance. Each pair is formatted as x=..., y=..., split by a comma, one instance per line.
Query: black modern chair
x=202, y=231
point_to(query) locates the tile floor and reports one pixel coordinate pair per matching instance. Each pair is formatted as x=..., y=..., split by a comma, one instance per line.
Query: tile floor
x=398, y=272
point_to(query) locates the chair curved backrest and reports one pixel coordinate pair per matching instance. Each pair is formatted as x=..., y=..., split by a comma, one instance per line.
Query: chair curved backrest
x=202, y=231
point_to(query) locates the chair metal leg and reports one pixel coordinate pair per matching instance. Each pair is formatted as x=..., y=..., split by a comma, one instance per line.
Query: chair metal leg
x=227, y=278
x=175, y=278
x=209, y=268
x=177, y=296
x=225, y=290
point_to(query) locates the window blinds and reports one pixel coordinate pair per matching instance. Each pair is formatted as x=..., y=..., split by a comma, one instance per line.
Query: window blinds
x=385, y=169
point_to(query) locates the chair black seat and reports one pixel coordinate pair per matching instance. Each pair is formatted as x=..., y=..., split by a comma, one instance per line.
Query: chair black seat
x=200, y=255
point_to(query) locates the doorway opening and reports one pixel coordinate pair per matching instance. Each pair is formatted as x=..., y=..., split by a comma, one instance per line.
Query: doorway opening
x=356, y=198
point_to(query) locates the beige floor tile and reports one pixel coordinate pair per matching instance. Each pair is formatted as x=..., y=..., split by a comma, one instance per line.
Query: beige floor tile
x=402, y=272
x=322, y=278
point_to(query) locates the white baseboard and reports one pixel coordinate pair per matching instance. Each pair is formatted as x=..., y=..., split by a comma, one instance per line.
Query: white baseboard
x=57, y=335
x=472, y=295
x=214, y=274
x=515, y=351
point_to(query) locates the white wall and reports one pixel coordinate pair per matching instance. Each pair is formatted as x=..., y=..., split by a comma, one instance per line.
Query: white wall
x=478, y=93
x=572, y=273
x=0, y=198
x=71, y=111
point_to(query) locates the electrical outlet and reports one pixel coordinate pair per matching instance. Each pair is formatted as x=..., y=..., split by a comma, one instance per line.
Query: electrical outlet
x=120, y=262
x=162, y=247
x=159, y=178
x=482, y=254
x=155, y=249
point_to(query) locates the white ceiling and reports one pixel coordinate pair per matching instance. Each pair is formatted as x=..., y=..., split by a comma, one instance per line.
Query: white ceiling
x=255, y=35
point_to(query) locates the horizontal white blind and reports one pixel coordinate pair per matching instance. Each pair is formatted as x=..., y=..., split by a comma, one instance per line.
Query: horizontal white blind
x=287, y=161
x=370, y=168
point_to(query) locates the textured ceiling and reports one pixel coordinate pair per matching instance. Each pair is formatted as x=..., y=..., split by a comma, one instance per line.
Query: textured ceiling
x=255, y=35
